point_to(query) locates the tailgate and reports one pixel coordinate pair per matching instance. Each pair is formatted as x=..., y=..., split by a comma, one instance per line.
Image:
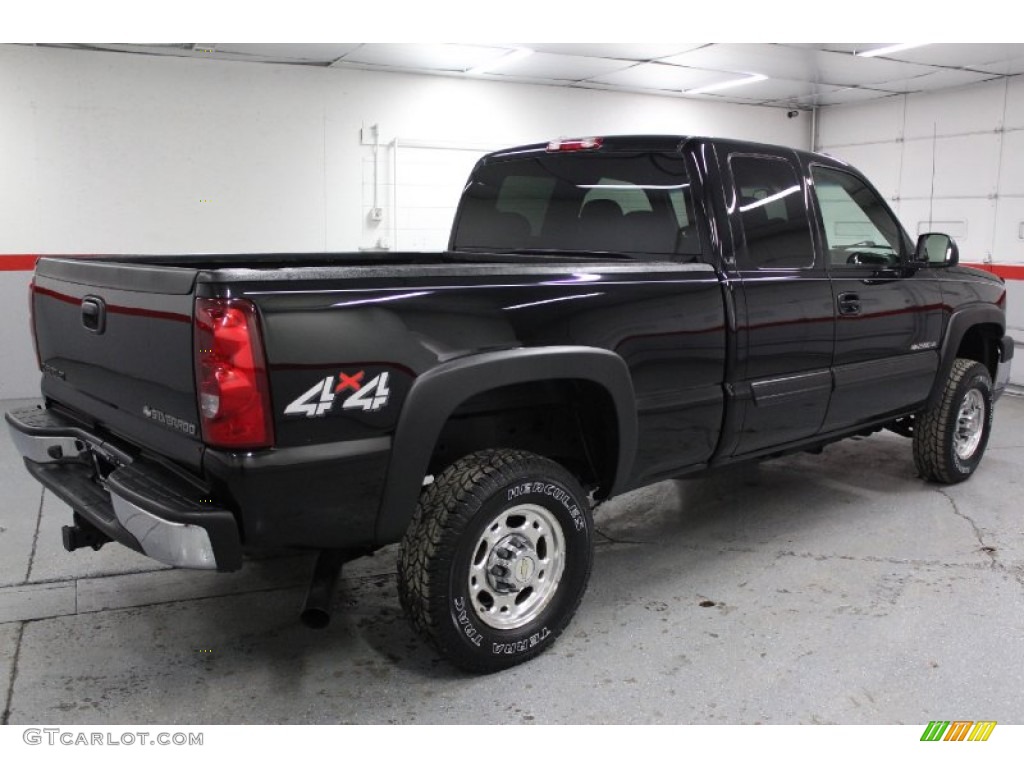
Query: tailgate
x=115, y=343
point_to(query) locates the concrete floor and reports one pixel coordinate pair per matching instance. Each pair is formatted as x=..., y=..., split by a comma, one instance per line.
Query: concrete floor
x=843, y=590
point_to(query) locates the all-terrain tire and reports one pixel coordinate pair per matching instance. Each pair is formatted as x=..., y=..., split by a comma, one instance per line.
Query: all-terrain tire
x=496, y=559
x=950, y=439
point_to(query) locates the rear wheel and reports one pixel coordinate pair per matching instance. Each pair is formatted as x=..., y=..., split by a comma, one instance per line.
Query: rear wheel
x=497, y=558
x=950, y=439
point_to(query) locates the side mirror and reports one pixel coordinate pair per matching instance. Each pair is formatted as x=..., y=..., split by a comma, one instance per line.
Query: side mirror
x=936, y=250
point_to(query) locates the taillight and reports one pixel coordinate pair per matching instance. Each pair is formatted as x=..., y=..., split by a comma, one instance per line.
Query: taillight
x=575, y=145
x=32, y=321
x=231, y=375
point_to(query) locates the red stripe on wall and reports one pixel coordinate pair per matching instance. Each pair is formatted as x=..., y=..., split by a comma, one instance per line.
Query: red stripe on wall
x=1005, y=271
x=14, y=262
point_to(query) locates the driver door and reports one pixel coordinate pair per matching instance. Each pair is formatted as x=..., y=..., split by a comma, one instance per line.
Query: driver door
x=888, y=312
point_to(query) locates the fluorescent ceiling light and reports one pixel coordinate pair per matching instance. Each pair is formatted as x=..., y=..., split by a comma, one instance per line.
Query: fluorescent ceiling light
x=632, y=186
x=508, y=58
x=396, y=297
x=885, y=50
x=552, y=301
x=751, y=78
x=578, y=277
x=764, y=200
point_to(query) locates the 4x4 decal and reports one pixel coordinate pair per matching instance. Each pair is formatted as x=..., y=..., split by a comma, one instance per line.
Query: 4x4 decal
x=320, y=398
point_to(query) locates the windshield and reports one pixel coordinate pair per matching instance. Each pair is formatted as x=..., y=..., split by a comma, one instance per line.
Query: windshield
x=580, y=202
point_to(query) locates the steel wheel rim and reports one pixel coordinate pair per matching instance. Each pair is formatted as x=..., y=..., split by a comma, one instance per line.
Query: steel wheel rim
x=527, y=543
x=970, y=424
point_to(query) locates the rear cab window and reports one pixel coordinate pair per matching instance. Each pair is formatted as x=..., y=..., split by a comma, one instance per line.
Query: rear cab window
x=638, y=203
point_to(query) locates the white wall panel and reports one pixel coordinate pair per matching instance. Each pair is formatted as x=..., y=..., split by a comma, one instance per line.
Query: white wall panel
x=879, y=162
x=910, y=212
x=18, y=183
x=875, y=121
x=1009, y=242
x=1015, y=103
x=971, y=222
x=152, y=183
x=961, y=110
x=18, y=371
x=1011, y=175
x=916, y=176
x=428, y=185
x=965, y=166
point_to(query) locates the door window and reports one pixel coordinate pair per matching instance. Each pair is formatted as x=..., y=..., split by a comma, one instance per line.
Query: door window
x=859, y=230
x=770, y=202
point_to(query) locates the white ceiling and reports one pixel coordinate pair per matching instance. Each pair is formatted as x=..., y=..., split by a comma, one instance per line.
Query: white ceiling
x=801, y=75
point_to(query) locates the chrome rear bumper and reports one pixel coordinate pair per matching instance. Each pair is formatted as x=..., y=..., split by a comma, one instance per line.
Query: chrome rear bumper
x=136, y=503
x=178, y=544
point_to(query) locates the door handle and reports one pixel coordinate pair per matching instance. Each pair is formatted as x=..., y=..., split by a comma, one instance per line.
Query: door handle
x=849, y=304
x=94, y=314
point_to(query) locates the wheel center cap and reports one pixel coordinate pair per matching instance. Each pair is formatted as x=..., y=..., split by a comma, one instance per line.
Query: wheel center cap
x=524, y=570
x=512, y=564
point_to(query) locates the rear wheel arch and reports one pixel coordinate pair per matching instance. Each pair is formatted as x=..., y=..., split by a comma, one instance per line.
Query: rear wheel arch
x=571, y=421
x=439, y=393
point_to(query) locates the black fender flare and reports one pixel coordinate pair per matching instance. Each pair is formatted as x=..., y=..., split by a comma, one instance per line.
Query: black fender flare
x=436, y=394
x=961, y=321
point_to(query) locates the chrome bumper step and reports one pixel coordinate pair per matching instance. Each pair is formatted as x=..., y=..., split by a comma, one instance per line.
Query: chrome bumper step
x=137, y=503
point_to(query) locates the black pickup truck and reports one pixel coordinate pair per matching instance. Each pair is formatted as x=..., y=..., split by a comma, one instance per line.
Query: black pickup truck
x=610, y=312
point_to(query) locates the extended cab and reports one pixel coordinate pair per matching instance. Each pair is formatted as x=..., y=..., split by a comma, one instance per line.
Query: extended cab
x=610, y=313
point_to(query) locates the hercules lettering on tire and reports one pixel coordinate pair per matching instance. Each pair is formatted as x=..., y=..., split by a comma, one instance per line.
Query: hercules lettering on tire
x=497, y=558
x=950, y=439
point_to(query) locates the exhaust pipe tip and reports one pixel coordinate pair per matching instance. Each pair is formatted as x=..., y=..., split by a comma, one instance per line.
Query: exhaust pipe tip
x=315, y=618
x=316, y=611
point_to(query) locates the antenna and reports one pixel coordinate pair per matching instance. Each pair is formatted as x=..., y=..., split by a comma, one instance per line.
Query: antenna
x=931, y=196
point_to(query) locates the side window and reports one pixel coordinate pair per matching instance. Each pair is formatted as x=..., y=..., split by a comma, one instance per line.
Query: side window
x=772, y=211
x=858, y=228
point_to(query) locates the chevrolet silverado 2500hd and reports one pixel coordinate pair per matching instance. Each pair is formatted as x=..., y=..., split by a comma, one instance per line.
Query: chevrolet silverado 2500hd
x=609, y=313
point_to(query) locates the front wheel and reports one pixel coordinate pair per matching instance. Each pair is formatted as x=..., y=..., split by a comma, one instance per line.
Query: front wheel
x=950, y=439
x=497, y=558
